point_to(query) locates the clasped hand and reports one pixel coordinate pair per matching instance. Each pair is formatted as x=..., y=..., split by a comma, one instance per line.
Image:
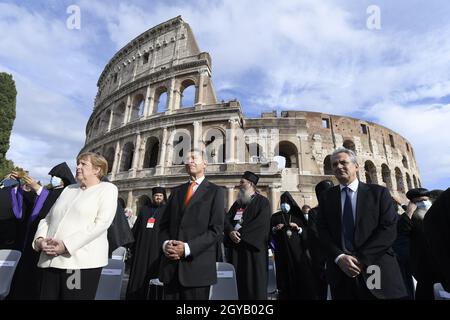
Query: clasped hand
x=350, y=265
x=51, y=247
x=174, y=250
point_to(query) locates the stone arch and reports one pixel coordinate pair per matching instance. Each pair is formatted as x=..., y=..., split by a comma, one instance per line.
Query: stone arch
x=182, y=143
x=405, y=162
x=151, y=152
x=386, y=176
x=253, y=152
x=408, y=181
x=370, y=172
x=161, y=99
x=105, y=121
x=399, y=180
x=349, y=144
x=127, y=156
x=137, y=107
x=415, y=181
x=119, y=115
x=289, y=151
x=188, y=93
x=327, y=167
x=109, y=156
x=215, y=145
x=96, y=127
x=141, y=202
x=419, y=183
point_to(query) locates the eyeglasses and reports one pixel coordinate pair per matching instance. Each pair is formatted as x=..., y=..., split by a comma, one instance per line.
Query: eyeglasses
x=343, y=163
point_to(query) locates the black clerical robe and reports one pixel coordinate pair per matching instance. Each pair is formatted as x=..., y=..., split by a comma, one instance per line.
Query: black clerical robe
x=250, y=256
x=145, y=252
x=295, y=278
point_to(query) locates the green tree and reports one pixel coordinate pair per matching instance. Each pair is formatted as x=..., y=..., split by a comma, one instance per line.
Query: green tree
x=8, y=95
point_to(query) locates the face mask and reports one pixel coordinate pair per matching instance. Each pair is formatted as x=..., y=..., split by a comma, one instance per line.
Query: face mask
x=425, y=205
x=55, y=181
x=285, y=207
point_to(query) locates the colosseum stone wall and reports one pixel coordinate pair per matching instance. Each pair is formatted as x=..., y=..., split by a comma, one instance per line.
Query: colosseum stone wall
x=156, y=95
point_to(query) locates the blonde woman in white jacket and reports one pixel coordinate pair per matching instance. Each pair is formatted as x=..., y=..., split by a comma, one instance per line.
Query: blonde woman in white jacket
x=73, y=236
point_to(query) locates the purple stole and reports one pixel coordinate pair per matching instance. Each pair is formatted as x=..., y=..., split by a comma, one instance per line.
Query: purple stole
x=17, y=205
x=17, y=201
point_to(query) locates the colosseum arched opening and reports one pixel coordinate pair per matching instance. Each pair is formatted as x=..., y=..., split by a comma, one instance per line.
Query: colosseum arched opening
x=156, y=101
x=151, y=153
x=370, y=172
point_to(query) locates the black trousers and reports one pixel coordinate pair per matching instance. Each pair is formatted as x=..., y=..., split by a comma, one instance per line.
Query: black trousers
x=175, y=291
x=352, y=289
x=64, y=284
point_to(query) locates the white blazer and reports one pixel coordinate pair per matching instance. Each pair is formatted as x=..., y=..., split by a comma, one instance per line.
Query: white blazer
x=80, y=218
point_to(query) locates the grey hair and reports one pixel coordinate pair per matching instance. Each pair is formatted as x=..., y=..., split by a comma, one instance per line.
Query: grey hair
x=350, y=153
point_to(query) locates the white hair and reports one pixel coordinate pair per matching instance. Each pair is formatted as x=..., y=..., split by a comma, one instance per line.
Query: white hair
x=350, y=153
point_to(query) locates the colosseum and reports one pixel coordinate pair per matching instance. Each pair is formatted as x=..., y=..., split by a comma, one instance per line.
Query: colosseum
x=142, y=115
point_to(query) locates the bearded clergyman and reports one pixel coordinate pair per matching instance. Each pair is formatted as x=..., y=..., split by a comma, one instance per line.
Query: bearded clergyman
x=247, y=227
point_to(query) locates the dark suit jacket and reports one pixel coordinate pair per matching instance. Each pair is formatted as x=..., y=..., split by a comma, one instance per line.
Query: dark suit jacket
x=437, y=227
x=375, y=232
x=200, y=224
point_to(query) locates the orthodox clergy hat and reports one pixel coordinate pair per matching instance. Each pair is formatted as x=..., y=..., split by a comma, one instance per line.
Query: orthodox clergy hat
x=436, y=193
x=158, y=190
x=250, y=176
x=417, y=192
x=322, y=186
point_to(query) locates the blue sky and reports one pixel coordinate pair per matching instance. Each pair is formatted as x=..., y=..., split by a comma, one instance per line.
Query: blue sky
x=270, y=55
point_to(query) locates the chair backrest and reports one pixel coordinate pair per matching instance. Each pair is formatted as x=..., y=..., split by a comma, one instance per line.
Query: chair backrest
x=110, y=284
x=440, y=293
x=8, y=264
x=119, y=254
x=272, y=279
x=226, y=286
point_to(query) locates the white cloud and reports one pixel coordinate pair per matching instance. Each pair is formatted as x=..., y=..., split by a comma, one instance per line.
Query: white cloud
x=55, y=81
x=425, y=126
x=308, y=55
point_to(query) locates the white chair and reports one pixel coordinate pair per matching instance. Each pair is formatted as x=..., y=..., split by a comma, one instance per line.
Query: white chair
x=272, y=289
x=226, y=286
x=155, y=290
x=8, y=264
x=329, y=293
x=110, y=284
x=440, y=293
x=119, y=254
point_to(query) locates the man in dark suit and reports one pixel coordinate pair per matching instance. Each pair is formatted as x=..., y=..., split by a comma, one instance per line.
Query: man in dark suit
x=437, y=226
x=357, y=225
x=189, y=231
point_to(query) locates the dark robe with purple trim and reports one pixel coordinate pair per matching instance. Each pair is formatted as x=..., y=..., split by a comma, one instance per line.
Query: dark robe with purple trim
x=26, y=281
x=9, y=223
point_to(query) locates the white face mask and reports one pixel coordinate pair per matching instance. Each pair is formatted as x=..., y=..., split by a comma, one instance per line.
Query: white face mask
x=55, y=181
x=285, y=207
x=425, y=204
